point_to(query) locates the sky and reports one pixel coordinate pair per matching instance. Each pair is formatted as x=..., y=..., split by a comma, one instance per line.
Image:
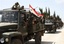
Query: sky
x=54, y=5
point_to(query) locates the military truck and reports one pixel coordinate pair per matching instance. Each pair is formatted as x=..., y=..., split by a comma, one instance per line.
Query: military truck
x=19, y=26
x=50, y=25
x=59, y=22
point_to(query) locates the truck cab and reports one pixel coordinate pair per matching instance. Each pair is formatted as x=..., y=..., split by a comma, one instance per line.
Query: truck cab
x=18, y=26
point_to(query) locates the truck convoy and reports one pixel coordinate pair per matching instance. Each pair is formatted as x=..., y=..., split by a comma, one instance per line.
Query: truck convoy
x=52, y=23
x=17, y=26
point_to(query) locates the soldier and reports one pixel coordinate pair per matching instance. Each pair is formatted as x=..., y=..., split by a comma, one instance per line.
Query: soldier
x=16, y=6
x=22, y=8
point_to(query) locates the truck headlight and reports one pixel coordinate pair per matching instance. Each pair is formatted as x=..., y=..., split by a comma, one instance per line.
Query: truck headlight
x=2, y=40
x=6, y=39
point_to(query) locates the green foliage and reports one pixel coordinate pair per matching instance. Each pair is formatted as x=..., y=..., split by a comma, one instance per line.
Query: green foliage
x=54, y=14
x=41, y=10
x=48, y=12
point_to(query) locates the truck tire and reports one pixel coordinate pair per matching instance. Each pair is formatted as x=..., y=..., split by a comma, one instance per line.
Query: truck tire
x=38, y=38
x=54, y=30
x=49, y=30
x=16, y=41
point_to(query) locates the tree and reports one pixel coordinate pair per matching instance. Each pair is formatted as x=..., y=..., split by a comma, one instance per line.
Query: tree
x=45, y=13
x=58, y=17
x=41, y=10
x=54, y=14
x=48, y=11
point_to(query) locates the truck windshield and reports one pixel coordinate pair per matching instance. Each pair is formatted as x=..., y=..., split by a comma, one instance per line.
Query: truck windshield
x=48, y=21
x=9, y=16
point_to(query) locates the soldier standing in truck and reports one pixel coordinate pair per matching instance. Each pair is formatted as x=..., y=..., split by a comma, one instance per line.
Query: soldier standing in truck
x=16, y=6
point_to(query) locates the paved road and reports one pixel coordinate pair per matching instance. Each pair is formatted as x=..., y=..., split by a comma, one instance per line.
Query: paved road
x=56, y=38
x=52, y=38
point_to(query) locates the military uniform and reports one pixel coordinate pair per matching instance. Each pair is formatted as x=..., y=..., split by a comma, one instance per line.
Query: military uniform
x=16, y=6
x=22, y=8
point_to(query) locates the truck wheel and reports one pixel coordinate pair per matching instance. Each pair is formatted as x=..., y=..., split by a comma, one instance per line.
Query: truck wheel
x=16, y=41
x=49, y=30
x=54, y=30
x=38, y=38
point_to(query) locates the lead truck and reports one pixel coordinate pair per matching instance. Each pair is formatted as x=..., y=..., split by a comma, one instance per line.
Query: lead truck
x=19, y=26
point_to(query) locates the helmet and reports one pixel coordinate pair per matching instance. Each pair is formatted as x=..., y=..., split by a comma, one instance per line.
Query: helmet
x=16, y=3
